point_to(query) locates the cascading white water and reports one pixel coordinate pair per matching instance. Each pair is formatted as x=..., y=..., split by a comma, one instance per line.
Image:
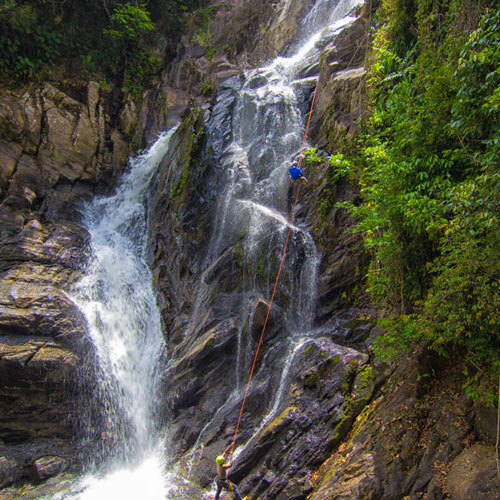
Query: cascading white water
x=265, y=128
x=272, y=141
x=325, y=14
x=118, y=301
x=117, y=296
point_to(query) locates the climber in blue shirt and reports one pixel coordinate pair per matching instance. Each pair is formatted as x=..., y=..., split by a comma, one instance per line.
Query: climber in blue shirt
x=296, y=173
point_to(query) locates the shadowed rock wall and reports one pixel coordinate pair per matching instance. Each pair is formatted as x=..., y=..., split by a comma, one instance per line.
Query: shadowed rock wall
x=56, y=151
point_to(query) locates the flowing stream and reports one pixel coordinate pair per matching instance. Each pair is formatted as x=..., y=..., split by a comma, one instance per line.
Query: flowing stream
x=265, y=125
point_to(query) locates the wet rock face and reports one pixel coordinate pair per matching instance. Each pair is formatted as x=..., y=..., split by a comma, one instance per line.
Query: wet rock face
x=304, y=398
x=242, y=34
x=48, y=466
x=300, y=406
x=38, y=381
x=56, y=151
x=180, y=205
x=202, y=351
x=301, y=435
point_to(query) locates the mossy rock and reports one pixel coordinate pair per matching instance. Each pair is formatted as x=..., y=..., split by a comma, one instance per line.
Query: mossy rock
x=312, y=379
x=276, y=424
x=192, y=131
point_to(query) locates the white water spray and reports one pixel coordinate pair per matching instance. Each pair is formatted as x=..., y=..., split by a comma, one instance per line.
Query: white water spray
x=118, y=301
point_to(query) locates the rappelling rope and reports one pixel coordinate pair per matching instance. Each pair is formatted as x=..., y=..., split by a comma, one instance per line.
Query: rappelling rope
x=292, y=217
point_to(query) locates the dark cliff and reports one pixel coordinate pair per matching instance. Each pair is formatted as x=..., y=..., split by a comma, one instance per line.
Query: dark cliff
x=347, y=426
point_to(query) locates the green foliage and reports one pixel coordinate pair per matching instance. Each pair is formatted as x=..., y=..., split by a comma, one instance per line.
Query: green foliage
x=430, y=182
x=339, y=167
x=142, y=65
x=227, y=50
x=27, y=42
x=207, y=89
x=311, y=157
x=202, y=34
x=125, y=37
x=476, y=112
x=193, y=132
x=205, y=14
x=129, y=22
x=97, y=39
x=400, y=21
x=210, y=52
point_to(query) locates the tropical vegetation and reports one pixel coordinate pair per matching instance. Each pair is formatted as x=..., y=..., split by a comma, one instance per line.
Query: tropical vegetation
x=110, y=39
x=428, y=167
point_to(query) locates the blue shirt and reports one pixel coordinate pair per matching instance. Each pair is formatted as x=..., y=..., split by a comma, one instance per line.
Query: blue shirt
x=295, y=173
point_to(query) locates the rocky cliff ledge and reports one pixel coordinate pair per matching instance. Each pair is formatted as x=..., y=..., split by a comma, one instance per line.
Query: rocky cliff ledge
x=344, y=425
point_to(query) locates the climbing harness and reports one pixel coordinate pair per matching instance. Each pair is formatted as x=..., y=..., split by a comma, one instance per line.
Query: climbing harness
x=292, y=218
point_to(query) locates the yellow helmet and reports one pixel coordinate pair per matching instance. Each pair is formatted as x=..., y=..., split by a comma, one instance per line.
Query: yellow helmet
x=219, y=460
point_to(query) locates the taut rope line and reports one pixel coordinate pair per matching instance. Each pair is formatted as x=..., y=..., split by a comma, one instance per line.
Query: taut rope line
x=292, y=217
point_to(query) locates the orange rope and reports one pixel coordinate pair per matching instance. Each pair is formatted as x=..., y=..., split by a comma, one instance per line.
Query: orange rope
x=292, y=217
x=301, y=155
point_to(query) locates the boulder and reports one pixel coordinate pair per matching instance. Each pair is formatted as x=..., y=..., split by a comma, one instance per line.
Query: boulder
x=473, y=474
x=59, y=486
x=361, y=481
x=9, y=472
x=48, y=466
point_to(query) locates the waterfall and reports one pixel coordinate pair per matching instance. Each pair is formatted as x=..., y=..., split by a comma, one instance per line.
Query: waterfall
x=253, y=140
x=256, y=129
x=118, y=301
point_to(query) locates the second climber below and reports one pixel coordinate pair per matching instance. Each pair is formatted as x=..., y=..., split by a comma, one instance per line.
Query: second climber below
x=221, y=479
x=296, y=173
